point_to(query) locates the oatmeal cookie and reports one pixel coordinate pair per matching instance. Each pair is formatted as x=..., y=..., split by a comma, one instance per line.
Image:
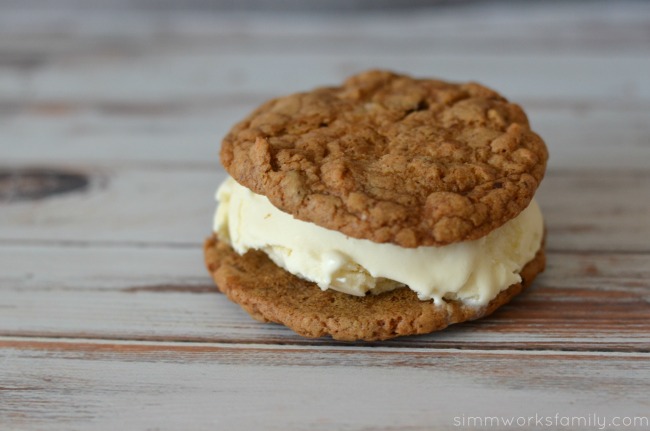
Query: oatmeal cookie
x=390, y=158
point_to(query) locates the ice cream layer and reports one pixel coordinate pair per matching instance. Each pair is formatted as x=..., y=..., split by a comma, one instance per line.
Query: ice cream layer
x=471, y=271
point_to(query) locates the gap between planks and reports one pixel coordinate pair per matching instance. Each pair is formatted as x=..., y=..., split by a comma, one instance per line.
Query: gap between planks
x=295, y=343
x=582, y=303
x=131, y=346
x=117, y=244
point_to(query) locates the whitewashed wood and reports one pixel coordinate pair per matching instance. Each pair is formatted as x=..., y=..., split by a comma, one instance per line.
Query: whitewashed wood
x=493, y=28
x=139, y=100
x=75, y=268
x=189, y=133
x=196, y=76
x=186, y=134
x=583, y=302
x=128, y=68
x=213, y=78
x=168, y=386
x=160, y=205
x=596, y=210
x=584, y=209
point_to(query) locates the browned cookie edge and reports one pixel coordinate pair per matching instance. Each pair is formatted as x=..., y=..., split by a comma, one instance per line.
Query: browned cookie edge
x=271, y=294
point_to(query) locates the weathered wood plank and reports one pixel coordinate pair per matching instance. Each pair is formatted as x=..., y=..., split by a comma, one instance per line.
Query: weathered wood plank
x=495, y=29
x=596, y=210
x=583, y=301
x=189, y=133
x=196, y=75
x=121, y=205
x=136, y=103
x=584, y=209
x=166, y=386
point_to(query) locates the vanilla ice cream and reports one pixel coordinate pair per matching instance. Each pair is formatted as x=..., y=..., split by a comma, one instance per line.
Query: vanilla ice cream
x=471, y=271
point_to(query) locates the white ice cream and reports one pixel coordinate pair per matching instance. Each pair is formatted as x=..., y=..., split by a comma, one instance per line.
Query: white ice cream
x=472, y=271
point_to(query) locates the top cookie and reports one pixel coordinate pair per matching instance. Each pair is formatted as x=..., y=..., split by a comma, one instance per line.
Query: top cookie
x=390, y=158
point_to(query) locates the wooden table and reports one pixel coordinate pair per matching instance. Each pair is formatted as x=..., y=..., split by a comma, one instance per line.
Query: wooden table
x=110, y=123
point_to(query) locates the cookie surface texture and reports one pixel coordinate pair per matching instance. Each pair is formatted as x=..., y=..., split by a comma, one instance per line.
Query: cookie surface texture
x=390, y=158
x=271, y=294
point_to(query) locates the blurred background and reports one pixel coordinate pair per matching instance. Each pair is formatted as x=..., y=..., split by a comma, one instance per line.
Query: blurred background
x=130, y=92
x=105, y=80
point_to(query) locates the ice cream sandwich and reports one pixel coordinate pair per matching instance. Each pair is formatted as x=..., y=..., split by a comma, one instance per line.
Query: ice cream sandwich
x=384, y=207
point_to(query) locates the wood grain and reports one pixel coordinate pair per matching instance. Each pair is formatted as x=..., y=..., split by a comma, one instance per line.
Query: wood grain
x=164, y=386
x=574, y=78
x=188, y=134
x=583, y=302
x=530, y=28
x=584, y=209
x=108, y=319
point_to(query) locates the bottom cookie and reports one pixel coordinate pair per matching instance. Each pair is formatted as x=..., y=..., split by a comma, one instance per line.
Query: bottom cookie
x=271, y=294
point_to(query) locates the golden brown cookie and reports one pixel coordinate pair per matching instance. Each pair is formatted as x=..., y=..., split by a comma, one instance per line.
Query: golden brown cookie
x=271, y=294
x=390, y=158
